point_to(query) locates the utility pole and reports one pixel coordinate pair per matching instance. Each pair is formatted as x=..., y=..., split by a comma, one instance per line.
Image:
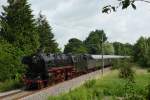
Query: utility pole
x=102, y=54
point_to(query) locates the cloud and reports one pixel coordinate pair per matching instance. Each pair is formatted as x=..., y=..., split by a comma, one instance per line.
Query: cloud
x=76, y=18
x=2, y=2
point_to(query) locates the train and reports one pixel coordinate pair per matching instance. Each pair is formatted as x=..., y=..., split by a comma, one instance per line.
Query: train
x=44, y=69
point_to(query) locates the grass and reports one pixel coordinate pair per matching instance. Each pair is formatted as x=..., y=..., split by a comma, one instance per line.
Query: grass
x=9, y=85
x=109, y=86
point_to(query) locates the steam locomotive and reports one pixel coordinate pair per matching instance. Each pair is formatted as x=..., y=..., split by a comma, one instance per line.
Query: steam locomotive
x=44, y=69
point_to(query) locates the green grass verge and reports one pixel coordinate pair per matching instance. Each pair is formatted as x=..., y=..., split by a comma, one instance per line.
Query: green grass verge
x=110, y=87
x=10, y=85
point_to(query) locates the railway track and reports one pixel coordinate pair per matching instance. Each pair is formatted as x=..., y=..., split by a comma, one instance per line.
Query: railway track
x=15, y=96
x=52, y=90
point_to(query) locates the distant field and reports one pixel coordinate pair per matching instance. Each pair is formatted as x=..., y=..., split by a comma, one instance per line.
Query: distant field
x=108, y=87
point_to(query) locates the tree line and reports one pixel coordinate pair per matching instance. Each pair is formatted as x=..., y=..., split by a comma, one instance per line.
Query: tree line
x=94, y=43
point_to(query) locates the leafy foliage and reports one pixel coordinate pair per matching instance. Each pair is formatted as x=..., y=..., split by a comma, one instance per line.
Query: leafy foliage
x=130, y=92
x=124, y=4
x=142, y=52
x=18, y=25
x=75, y=46
x=92, y=44
x=10, y=63
x=123, y=49
x=117, y=64
x=108, y=48
x=18, y=36
x=94, y=41
x=126, y=72
x=46, y=36
x=148, y=91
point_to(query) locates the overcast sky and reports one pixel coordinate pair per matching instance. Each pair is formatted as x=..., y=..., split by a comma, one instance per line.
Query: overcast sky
x=76, y=18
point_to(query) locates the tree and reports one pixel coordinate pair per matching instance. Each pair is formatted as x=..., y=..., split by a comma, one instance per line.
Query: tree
x=108, y=48
x=148, y=52
x=75, y=46
x=94, y=41
x=123, y=49
x=128, y=49
x=18, y=25
x=124, y=4
x=46, y=36
x=141, y=51
x=117, y=47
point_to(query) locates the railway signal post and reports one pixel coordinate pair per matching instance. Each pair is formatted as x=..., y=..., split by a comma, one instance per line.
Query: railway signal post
x=102, y=55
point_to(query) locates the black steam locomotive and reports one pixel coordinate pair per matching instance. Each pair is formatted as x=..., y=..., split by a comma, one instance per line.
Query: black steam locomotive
x=44, y=69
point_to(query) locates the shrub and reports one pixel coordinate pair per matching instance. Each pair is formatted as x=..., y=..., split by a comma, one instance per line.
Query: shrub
x=126, y=71
x=10, y=61
x=118, y=63
x=148, y=91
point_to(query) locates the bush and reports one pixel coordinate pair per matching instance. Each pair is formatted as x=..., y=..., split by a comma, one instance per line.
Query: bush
x=126, y=71
x=10, y=61
x=118, y=63
x=148, y=91
x=131, y=91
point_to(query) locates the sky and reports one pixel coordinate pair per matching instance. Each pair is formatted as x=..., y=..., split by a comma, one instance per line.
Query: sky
x=77, y=18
